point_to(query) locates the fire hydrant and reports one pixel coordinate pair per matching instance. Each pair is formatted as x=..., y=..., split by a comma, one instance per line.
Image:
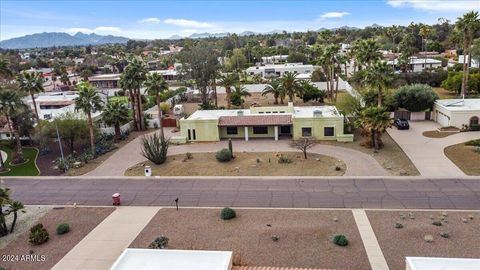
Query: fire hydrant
x=116, y=199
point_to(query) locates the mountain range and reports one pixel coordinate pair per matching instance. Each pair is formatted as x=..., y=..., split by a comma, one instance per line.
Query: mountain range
x=57, y=39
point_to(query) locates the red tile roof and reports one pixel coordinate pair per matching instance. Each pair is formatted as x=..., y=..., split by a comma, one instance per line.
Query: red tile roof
x=254, y=120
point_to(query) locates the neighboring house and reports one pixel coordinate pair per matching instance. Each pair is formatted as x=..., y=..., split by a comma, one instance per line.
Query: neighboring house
x=457, y=112
x=474, y=64
x=106, y=83
x=274, y=59
x=313, y=122
x=78, y=60
x=169, y=74
x=280, y=70
x=417, y=64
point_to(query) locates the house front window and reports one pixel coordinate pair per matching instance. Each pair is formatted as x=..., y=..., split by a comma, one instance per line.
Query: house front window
x=260, y=130
x=232, y=130
x=328, y=131
x=306, y=132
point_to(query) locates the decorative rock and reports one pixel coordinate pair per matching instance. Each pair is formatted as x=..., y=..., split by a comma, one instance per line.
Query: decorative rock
x=335, y=219
x=464, y=220
x=317, y=159
x=471, y=217
x=428, y=238
x=402, y=173
x=275, y=238
x=445, y=234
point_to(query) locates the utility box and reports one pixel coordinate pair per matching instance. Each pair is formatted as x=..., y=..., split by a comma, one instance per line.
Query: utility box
x=116, y=199
x=148, y=171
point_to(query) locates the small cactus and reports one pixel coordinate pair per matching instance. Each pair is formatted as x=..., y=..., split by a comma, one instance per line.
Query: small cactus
x=230, y=146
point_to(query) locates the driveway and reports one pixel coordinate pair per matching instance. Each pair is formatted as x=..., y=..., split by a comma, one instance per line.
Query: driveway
x=427, y=153
x=358, y=163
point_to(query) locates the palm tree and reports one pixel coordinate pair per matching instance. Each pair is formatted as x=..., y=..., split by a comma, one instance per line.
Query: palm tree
x=238, y=93
x=15, y=206
x=378, y=76
x=31, y=83
x=274, y=88
x=116, y=114
x=4, y=200
x=156, y=85
x=425, y=31
x=468, y=24
x=366, y=52
x=11, y=105
x=291, y=85
x=132, y=80
x=375, y=121
x=228, y=81
x=88, y=101
x=4, y=70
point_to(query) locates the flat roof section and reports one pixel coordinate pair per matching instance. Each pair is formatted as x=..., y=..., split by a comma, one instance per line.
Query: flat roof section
x=171, y=259
x=468, y=104
x=255, y=120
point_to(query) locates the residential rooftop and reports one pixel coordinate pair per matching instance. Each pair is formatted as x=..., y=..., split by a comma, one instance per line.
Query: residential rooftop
x=467, y=104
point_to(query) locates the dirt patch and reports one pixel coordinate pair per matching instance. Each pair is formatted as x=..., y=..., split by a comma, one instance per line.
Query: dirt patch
x=304, y=236
x=444, y=94
x=396, y=244
x=82, y=220
x=465, y=157
x=244, y=164
x=391, y=156
x=438, y=134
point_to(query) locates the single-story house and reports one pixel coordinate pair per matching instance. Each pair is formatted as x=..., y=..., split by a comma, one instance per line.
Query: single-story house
x=417, y=64
x=313, y=122
x=457, y=112
x=280, y=69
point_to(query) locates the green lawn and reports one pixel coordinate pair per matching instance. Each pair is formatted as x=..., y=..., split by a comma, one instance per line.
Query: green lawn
x=25, y=169
x=122, y=99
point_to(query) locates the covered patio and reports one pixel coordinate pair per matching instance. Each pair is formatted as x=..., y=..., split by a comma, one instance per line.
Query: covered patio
x=255, y=126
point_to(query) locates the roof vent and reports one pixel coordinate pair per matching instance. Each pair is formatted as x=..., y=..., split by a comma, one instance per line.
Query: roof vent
x=239, y=113
x=317, y=113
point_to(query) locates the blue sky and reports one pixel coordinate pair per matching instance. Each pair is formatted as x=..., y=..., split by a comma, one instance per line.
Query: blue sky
x=162, y=19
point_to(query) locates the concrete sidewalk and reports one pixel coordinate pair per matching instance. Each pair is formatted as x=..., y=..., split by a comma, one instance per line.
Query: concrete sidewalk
x=101, y=247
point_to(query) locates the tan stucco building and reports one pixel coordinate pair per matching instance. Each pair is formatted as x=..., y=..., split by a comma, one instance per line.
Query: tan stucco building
x=457, y=112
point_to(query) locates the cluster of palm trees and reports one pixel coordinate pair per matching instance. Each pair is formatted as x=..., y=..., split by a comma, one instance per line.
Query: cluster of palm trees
x=10, y=206
x=286, y=86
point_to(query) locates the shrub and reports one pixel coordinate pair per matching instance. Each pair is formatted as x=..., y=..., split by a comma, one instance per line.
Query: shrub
x=165, y=107
x=473, y=142
x=398, y=225
x=437, y=223
x=155, y=148
x=188, y=155
x=227, y=213
x=445, y=234
x=415, y=97
x=159, y=243
x=275, y=238
x=284, y=160
x=63, y=228
x=224, y=155
x=38, y=235
x=340, y=240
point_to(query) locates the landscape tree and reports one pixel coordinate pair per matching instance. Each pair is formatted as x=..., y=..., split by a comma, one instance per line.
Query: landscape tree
x=291, y=85
x=303, y=145
x=156, y=86
x=228, y=81
x=378, y=76
x=237, y=61
x=415, y=97
x=468, y=24
x=374, y=121
x=238, y=94
x=73, y=128
x=311, y=92
x=132, y=79
x=116, y=114
x=11, y=104
x=31, y=83
x=88, y=101
x=328, y=61
x=366, y=52
x=5, y=72
x=274, y=87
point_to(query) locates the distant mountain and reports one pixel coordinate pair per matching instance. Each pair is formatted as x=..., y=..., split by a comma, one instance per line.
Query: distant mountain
x=174, y=37
x=207, y=35
x=247, y=33
x=54, y=39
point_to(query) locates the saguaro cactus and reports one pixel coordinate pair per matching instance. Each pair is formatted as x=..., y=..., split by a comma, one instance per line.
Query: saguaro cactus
x=230, y=146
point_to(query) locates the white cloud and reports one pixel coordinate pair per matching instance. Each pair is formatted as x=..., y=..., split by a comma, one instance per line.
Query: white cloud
x=150, y=21
x=329, y=15
x=437, y=5
x=108, y=29
x=189, y=23
x=83, y=30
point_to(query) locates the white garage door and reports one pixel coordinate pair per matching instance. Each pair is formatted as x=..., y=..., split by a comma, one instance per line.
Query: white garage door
x=443, y=120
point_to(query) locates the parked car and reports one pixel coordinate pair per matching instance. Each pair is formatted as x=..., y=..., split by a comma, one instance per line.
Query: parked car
x=401, y=123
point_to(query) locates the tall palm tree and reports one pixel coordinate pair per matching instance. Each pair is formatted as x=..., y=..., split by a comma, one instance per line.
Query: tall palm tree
x=274, y=88
x=374, y=120
x=14, y=207
x=239, y=92
x=468, y=24
x=291, y=85
x=132, y=80
x=88, y=101
x=228, y=81
x=116, y=114
x=4, y=200
x=366, y=52
x=425, y=31
x=378, y=76
x=11, y=105
x=31, y=83
x=156, y=85
x=4, y=70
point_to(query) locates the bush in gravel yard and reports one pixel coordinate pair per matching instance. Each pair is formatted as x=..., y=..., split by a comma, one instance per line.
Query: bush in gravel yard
x=437, y=223
x=223, y=155
x=159, y=243
x=445, y=234
x=340, y=240
x=227, y=213
x=63, y=228
x=473, y=143
x=284, y=160
x=155, y=148
x=38, y=235
x=398, y=225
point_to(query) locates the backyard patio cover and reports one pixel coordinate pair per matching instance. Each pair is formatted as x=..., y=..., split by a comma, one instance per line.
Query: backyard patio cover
x=254, y=120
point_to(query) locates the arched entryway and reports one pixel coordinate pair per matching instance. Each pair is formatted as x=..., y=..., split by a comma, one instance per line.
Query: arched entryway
x=474, y=121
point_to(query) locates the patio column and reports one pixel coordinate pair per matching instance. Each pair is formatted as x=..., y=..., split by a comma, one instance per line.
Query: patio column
x=246, y=133
x=276, y=133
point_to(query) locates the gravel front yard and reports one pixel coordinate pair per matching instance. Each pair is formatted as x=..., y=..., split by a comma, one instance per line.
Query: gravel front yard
x=464, y=157
x=82, y=220
x=396, y=244
x=304, y=236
